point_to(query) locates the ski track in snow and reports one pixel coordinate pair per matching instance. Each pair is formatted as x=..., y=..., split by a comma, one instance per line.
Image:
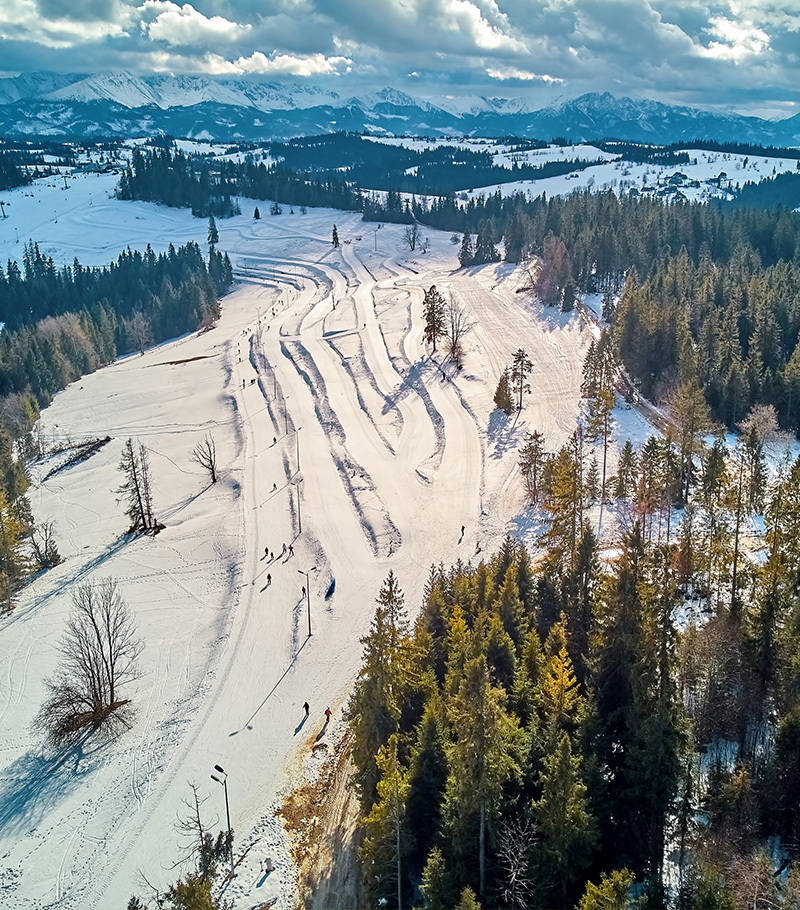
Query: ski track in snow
x=317, y=356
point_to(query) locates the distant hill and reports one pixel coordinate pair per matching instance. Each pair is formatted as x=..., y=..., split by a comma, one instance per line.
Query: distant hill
x=120, y=104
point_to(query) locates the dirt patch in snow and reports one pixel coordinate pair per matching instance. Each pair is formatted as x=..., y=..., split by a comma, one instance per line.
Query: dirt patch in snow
x=321, y=819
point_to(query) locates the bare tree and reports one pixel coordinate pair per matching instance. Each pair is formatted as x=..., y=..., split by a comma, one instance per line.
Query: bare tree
x=99, y=654
x=516, y=840
x=411, y=236
x=202, y=847
x=458, y=327
x=43, y=540
x=138, y=332
x=205, y=454
x=135, y=466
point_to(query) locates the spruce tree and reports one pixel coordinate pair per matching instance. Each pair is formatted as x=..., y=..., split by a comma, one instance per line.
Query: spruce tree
x=426, y=783
x=518, y=376
x=213, y=233
x=386, y=839
x=376, y=703
x=433, y=315
x=531, y=461
x=502, y=394
x=135, y=467
x=335, y=237
x=485, y=250
x=485, y=752
x=627, y=471
x=563, y=818
x=467, y=255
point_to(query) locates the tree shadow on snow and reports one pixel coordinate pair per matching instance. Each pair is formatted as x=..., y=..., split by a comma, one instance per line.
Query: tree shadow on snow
x=504, y=432
x=39, y=780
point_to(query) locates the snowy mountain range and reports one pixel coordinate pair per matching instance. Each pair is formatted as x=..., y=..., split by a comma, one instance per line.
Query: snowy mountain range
x=121, y=104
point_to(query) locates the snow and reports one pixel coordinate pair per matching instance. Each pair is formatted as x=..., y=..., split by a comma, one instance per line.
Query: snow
x=335, y=401
x=703, y=168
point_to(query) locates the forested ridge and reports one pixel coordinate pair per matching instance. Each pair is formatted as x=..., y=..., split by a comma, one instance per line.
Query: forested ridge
x=545, y=726
x=61, y=323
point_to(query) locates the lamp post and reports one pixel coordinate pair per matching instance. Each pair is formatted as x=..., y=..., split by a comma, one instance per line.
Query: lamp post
x=299, y=516
x=285, y=415
x=297, y=447
x=224, y=783
x=308, y=595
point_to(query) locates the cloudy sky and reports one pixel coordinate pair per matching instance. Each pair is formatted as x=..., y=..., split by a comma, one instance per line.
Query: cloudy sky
x=742, y=56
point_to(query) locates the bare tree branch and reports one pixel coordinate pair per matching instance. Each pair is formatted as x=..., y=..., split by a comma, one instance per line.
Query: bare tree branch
x=99, y=654
x=205, y=454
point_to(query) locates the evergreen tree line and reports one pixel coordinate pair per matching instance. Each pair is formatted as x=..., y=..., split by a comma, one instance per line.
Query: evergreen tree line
x=64, y=323
x=780, y=191
x=730, y=327
x=539, y=727
x=172, y=178
x=11, y=174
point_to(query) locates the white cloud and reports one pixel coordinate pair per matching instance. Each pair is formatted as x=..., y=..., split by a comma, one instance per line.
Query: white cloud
x=737, y=40
x=22, y=20
x=511, y=72
x=283, y=64
x=184, y=25
x=464, y=17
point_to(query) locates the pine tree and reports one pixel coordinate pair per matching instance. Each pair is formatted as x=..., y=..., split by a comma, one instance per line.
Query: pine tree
x=520, y=368
x=563, y=504
x=426, y=783
x=560, y=702
x=518, y=235
x=467, y=255
x=599, y=426
x=531, y=460
x=689, y=409
x=485, y=250
x=135, y=467
x=14, y=564
x=433, y=314
x=563, y=817
x=502, y=395
x=485, y=752
x=627, y=471
x=213, y=233
x=385, y=842
x=592, y=482
x=335, y=237
x=375, y=705
x=256, y=214
x=436, y=883
x=613, y=892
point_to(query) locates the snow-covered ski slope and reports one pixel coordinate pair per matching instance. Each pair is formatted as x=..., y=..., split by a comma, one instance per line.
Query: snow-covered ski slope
x=396, y=453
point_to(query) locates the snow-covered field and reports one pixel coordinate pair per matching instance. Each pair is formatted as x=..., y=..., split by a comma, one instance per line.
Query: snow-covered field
x=322, y=398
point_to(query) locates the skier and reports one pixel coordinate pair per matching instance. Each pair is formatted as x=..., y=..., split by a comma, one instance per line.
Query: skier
x=291, y=549
x=274, y=439
x=266, y=552
x=327, y=715
x=284, y=550
x=274, y=487
x=304, y=590
x=305, y=707
x=462, y=530
x=269, y=579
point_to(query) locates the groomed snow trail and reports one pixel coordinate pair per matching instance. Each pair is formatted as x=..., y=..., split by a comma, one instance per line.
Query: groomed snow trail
x=318, y=356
